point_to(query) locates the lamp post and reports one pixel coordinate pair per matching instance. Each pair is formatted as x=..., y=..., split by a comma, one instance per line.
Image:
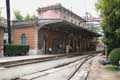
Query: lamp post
x=8, y=20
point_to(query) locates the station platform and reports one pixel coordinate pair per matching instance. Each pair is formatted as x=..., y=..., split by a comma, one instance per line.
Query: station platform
x=30, y=57
x=16, y=59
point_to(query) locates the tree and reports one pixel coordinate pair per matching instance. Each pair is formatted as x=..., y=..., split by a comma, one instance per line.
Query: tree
x=33, y=17
x=29, y=17
x=18, y=15
x=110, y=13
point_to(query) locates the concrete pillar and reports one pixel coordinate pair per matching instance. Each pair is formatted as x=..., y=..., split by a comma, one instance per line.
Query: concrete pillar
x=36, y=41
x=88, y=43
x=73, y=44
x=35, y=51
x=78, y=47
x=85, y=45
x=80, y=44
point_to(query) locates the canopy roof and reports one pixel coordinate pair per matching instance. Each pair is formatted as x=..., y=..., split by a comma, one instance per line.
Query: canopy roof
x=55, y=24
x=65, y=25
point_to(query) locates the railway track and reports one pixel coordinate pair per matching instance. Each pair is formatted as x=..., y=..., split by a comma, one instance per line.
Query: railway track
x=82, y=71
x=78, y=68
x=69, y=71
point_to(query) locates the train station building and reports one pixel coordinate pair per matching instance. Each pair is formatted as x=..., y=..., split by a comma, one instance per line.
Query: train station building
x=54, y=34
x=56, y=28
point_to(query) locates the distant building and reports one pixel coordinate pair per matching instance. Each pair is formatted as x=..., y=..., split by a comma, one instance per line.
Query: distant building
x=59, y=12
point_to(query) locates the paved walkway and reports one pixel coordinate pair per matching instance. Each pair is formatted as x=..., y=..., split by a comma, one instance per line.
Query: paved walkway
x=19, y=58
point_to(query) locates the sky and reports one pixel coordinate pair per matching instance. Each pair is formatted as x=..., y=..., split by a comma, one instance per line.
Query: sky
x=79, y=7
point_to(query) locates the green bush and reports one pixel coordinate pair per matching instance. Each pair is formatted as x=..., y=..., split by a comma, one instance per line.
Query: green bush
x=114, y=56
x=15, y=50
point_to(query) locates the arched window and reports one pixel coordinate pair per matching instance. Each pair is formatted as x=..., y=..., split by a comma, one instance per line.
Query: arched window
x=23, y=39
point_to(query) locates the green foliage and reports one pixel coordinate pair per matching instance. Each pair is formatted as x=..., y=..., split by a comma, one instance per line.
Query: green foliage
x=29, y=17
x=114, y=56
x=33, y=17
x=117, y=33
x=18, y=15
x=110, y=14
x=15, y=50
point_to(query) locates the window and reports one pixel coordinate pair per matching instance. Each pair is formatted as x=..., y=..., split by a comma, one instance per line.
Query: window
x=23, y=39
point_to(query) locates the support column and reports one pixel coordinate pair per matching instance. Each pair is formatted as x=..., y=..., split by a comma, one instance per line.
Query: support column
x=85, y=45
x=73, y=44
x=36, y=41
x=80, y=45
x=35, y=51
x=88, y=44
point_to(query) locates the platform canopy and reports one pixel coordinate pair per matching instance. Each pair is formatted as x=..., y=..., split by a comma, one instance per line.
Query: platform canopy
x=65, y=26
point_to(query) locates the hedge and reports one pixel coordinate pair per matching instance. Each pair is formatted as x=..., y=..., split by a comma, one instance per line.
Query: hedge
x=114, y=56
x=15, y=50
